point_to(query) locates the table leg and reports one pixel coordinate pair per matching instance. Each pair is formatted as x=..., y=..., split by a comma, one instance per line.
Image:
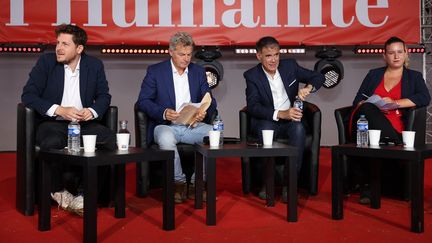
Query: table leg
x=90, y=203
x=270, y=179
x=120, y=179
x=417, y=187
x=291, y=164
x=199, y=181
x=337, y=185
x=375, y=183
x=44, y=196
x=168, y=194
x=211, y=191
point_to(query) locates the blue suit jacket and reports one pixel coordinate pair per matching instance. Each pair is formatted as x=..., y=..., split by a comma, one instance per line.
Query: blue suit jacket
x=259, y=97
x=157, y=92
x=45, y=85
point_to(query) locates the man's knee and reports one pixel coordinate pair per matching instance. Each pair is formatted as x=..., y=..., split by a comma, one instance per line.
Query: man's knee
x=164, y=136
x=53, y=142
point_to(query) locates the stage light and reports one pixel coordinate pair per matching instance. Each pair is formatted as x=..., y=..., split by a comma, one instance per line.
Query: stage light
x=282, y=51
x=378, y=50
x=331, y=68
x=214, y=69
x=5, y=48
x=127, y=50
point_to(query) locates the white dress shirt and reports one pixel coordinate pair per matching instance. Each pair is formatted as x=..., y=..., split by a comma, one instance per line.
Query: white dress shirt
x=181, y=87
x=280, y=96
x=71, y=91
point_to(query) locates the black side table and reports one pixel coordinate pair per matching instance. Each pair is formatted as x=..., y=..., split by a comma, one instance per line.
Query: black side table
x=414, y=156
x=209, y=154
x=89, y=162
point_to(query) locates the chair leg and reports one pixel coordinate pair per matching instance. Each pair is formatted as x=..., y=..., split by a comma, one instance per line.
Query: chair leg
x=142, y=178
x=246, y=180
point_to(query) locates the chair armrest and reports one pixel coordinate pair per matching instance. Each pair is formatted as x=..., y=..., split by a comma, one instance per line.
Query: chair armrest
x=110, y=118
x=416, y=121
x=312, y=118
x=342, y=116
x=243, y=120
x=26, y=132
x=141, y=122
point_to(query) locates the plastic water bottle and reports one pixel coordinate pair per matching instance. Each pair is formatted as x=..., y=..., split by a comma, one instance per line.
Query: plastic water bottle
x=362, y=131
x=298, y=103
x=218, y=125
x=123, y=128
x=74, y=132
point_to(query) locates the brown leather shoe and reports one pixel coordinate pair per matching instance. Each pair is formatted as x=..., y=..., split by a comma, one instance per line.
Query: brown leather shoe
x=191, y=192
x=180, y=192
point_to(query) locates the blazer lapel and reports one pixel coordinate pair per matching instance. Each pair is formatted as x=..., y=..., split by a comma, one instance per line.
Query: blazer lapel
x=262, y=79
x=59, y=81
x=83, y=80
x=169, y=81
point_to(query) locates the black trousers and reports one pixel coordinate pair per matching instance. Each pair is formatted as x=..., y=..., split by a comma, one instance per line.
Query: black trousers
x=53, y=135
x=376, y=120
x=394, y=179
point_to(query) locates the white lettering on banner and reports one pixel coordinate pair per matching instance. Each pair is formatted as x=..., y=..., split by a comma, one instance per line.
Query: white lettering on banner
x=209, y=15
x=141, y=14
x=95, y=13
x=17, y=13
x=362, y=12
x=246, y=13
x=228, y=17
x=337, y=15
x=271, y=19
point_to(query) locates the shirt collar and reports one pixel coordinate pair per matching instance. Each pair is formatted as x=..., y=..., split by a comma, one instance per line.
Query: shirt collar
x=269, y=77
x=77, y=67
x=174, y=69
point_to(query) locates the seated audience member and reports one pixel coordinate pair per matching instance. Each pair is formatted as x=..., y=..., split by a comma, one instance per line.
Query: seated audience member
x=395, y=83
x=271, y=88
x=66, y=86
x=166, y=86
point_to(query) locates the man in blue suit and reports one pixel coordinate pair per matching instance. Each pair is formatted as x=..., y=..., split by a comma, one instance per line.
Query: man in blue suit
x=66, y=86
x=166, y=86
x=271, y=88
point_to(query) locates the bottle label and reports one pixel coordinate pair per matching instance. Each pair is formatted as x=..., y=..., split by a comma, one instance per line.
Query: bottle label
x=362, y=127
x=73, y=131
x=298, y=104
x=218, y=127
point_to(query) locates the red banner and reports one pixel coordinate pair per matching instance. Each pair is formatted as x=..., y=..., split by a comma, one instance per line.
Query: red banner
x=214, y=22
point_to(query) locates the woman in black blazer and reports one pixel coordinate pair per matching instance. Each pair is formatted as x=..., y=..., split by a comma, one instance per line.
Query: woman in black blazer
x=397, y=84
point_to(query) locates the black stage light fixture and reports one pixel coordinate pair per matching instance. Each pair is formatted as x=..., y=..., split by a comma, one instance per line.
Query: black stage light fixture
x=214, y=69
x=20, y=48
x=329, y=66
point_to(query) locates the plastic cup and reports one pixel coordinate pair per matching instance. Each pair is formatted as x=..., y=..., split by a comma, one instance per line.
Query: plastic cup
x=214, y=137
x=408, y=138
x=374, y=137
x=267, y=137
x=123, y=141
x=89, y=143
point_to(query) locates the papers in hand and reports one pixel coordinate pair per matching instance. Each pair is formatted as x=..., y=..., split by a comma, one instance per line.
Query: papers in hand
x=188, y=111
x=380, y=103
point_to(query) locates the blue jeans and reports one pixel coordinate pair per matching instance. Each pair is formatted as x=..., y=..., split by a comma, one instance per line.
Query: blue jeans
x=168, y=136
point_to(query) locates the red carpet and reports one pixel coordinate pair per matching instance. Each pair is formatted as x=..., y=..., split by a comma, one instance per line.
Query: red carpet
x=239, y=218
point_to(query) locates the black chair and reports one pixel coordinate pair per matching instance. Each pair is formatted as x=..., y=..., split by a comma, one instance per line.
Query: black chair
x=416, y=122
x=308, y=177
x=149, y=174
x=27, y=152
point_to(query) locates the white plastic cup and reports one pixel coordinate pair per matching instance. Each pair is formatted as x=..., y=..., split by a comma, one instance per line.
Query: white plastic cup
x=123, y=141
x=214, y=137
x=374, y=137
x=89, y=143
x=267, y=137
x=408, y=138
